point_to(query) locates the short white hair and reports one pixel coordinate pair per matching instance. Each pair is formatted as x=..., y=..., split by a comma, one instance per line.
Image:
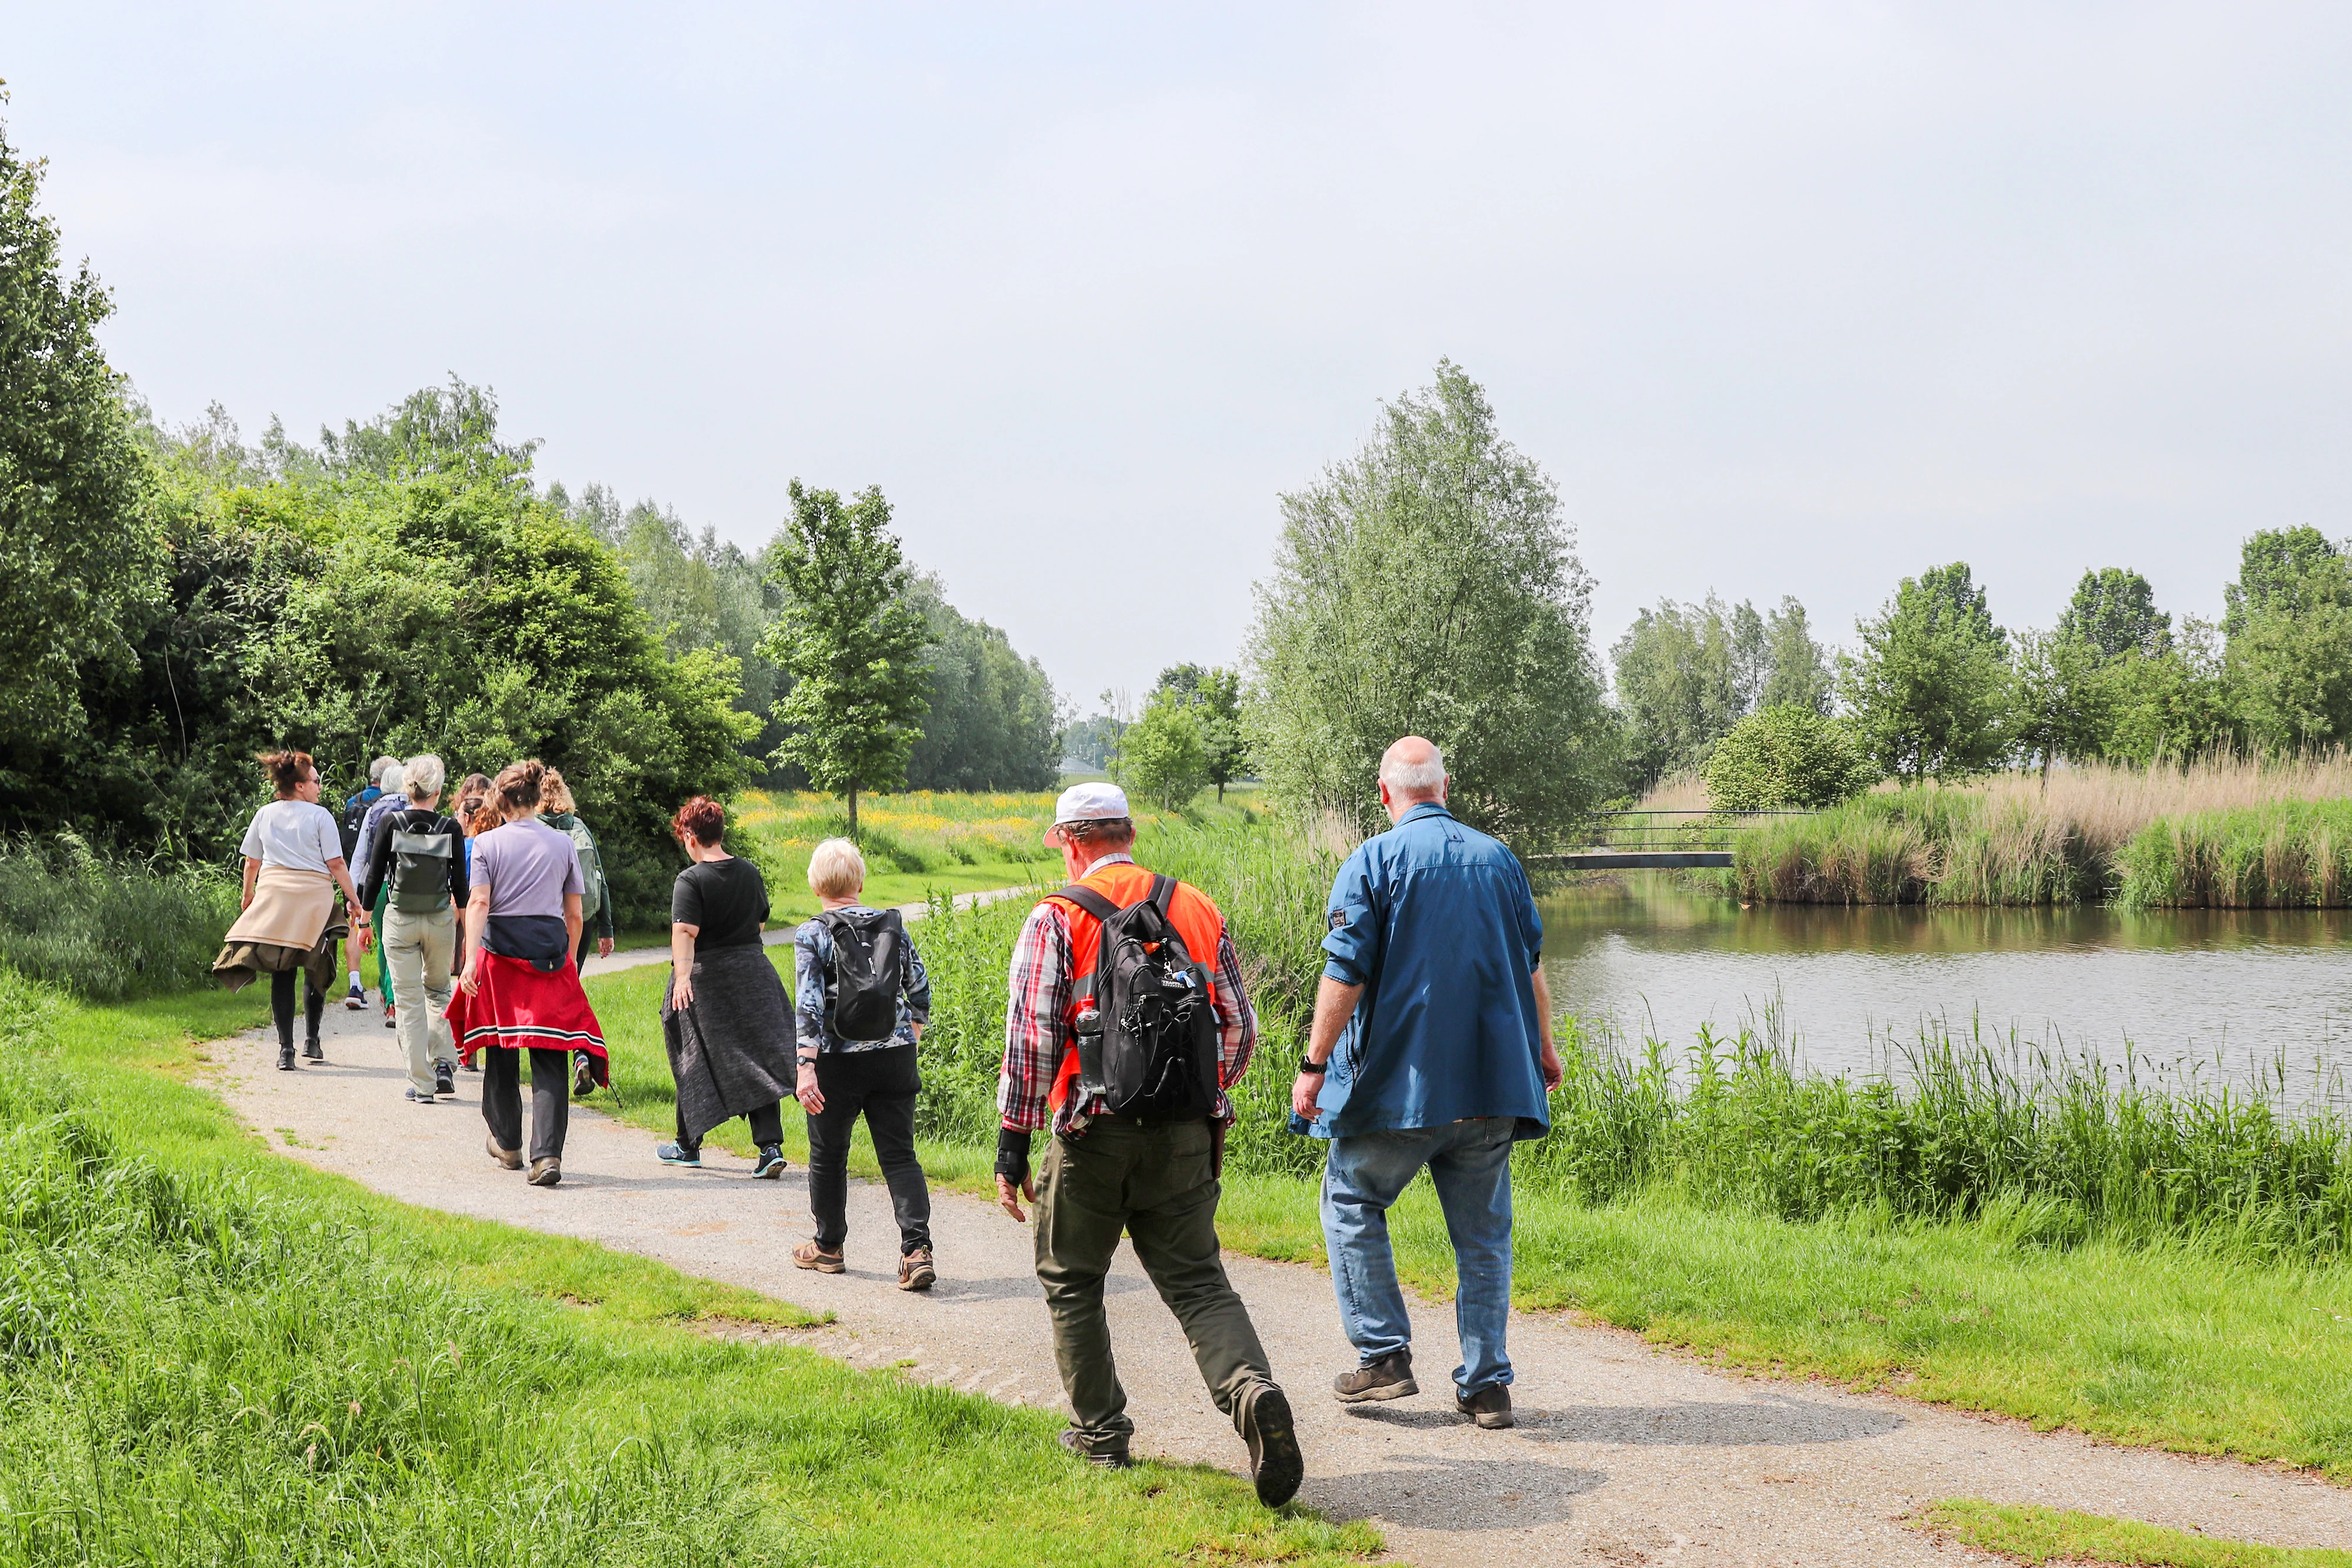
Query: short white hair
x=377, y=770
x=392, y=780
x=425, y=776
x=836, y=869
x=1415, y=777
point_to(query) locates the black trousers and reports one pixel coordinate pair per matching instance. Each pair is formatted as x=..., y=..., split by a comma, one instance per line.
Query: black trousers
x=551, y=1098
x=767, y=1126
x=281, y=1005
x=880, y=1085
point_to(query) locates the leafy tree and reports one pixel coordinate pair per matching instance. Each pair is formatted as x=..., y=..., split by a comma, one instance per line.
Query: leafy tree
x=851, y=641
x=1797, y=668
x=1930, y=685
x=80, y=556
x=1215, y=696
x=451, y=431
x=992, y=720
x=2060, y=706
x=2114, y=612
x=1787, y=757
x=1162, y=755
x=2169, y=706
x=1091, y=742
x=1427, y=585
x=1681, y=682
x=2281, y=571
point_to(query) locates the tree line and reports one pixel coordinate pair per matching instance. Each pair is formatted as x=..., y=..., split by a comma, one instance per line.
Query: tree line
x=174, y=600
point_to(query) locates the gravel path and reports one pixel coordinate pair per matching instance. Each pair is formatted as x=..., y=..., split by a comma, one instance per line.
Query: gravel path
x=1623, y=1455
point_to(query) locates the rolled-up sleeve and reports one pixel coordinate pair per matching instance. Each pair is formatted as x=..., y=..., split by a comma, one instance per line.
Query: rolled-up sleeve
x=1035, y=1027
x=1351, y=937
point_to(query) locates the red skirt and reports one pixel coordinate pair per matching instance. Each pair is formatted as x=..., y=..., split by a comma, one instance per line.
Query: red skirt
x=516, y=1006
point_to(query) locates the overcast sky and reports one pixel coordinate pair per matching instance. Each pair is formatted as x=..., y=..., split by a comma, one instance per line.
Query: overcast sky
x=1787, y=299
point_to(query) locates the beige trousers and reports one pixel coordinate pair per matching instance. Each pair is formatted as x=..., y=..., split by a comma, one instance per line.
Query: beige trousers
x=419, y=949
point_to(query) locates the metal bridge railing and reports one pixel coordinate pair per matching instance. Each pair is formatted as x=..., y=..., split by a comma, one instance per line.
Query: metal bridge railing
x=1606, y=836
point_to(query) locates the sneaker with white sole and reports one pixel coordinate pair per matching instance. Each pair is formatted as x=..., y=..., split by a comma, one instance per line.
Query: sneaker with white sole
x=686, y=1155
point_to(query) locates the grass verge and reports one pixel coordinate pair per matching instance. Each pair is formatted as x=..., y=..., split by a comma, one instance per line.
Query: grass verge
x=2037, y=1535
x=213, y=1354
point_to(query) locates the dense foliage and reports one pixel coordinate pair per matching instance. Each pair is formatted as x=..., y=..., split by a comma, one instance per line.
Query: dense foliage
x=1787, y=758
x=1427, y=586
x=1685, y=673
x=1928, y=686
x=991, y=713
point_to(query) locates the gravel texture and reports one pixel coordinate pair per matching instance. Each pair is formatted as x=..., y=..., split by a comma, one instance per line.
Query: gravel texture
x=1623, y=1455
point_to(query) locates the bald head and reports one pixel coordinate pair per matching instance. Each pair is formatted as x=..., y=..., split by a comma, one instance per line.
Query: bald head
x=1412, y=772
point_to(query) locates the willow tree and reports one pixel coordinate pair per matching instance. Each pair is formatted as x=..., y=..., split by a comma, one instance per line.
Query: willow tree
x=1429, y=585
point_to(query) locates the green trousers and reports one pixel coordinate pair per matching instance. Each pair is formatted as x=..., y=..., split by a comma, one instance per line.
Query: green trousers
x=1153, y=1183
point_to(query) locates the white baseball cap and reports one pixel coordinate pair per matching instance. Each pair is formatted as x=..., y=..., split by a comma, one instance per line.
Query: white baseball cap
x=1090, y=803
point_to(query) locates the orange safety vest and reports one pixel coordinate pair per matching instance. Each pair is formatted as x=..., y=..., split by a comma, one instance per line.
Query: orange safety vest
x=1195, y=917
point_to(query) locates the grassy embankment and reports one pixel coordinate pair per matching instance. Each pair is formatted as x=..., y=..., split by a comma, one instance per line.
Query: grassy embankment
x=2039, y=1535
x=2149, y=1262
x=2230, y=833
x=213, y=1354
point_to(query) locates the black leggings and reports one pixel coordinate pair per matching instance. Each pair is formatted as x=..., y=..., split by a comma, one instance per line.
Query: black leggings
x=281, y=1005
x=767, y=1126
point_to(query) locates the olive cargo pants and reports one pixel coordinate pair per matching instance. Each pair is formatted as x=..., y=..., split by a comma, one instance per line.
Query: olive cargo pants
x=1154, y=1183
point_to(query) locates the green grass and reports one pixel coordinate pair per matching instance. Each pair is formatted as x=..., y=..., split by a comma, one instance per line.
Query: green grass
x=215, y=1355
x=2037, y=1535
x=1920, y=846
x=2287, y=854
x=106, y=928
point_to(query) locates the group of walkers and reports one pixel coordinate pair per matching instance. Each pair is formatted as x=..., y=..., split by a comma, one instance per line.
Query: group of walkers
x=1127, y=1025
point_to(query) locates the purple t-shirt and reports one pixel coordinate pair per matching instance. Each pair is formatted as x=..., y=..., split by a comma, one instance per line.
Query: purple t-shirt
x=530, y=867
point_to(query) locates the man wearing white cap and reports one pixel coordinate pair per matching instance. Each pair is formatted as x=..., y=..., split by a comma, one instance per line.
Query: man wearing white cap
x=1127, y=1024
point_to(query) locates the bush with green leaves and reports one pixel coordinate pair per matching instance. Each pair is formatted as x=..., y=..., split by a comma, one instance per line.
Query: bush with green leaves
x=1163, y=756
x=1787, y=758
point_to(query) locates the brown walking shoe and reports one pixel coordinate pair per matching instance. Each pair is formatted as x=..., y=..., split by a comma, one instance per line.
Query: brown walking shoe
x=510, y=1158
x=809, y=1255
x=1276, y=1467
x=1108, y=1459
x=1490, y=1408
x=914, y=1271
x=546, y=1172
x=1390, y=1377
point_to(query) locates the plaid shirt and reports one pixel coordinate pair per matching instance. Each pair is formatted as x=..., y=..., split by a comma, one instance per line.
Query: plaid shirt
x=1037, y=1033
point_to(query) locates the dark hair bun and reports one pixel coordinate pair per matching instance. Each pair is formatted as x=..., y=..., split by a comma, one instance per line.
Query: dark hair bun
x=703, y=818
x=287, y=769
x=517, y=785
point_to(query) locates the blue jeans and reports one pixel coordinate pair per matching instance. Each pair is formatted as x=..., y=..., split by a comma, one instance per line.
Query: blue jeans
x=1470, y=1165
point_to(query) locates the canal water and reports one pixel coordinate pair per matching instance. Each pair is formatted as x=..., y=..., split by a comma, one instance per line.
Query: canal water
x=2235, y=994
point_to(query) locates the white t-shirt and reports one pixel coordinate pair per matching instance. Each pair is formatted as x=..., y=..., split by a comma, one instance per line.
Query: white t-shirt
x=297, y=833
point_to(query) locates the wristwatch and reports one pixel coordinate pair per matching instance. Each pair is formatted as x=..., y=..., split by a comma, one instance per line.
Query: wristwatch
x=1308, y=1064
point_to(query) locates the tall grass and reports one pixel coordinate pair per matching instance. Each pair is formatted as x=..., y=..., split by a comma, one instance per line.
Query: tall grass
x=2033, y=1144
x=106, y=928
x=2244, y=832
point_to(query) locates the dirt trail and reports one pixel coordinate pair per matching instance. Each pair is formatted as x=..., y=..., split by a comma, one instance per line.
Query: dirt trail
x=1623, y=1455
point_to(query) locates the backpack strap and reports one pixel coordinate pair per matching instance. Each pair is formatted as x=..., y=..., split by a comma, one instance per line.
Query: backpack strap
x=1163, y=893
x=1093, y=902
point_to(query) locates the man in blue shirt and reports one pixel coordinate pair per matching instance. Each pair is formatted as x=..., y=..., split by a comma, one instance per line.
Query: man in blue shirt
x=1431, y=1047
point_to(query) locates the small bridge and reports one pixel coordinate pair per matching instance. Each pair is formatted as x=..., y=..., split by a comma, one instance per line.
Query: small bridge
x=1659, y=840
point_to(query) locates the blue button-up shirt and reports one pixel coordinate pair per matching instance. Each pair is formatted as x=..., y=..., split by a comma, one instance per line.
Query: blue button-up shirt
x=1436, y=922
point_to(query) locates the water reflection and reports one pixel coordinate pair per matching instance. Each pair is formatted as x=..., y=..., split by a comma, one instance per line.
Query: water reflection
x=2239, y=991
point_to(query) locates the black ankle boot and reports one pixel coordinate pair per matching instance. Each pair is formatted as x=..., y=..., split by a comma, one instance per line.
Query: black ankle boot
x=310, y=1048
x=284, y=1056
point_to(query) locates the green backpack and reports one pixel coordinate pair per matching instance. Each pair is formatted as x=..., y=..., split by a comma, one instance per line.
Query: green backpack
x=420, y=870
x=592, y=868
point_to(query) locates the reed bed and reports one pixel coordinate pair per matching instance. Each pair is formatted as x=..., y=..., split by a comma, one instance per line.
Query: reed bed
x=107, y=928
x=2034, y=1146
x=2239, y=832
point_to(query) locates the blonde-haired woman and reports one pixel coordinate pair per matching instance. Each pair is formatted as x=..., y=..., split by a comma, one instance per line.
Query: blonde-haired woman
x=520, y=990
x=286, y=925
x=727, y=1023
x=857, y=1058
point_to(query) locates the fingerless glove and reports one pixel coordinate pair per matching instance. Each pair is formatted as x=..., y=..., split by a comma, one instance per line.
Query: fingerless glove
x=1012, y=1156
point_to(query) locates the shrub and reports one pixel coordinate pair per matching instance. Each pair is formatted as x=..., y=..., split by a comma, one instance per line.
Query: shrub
x=106, y=928
x=1787, y=759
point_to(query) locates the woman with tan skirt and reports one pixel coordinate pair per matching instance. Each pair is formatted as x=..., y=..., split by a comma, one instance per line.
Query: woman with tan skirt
x=293, y=866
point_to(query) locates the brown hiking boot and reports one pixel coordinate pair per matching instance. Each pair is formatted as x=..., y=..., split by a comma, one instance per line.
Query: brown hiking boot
x=809, y=1255
x=510, y=1158
x=914, y=1271
x=1276, y=1467
x=1490, y=1408
x=1390, y=1377
x=546, y=1172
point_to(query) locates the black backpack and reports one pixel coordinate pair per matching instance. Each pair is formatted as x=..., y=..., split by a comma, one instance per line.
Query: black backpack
x=1147, y=1028
x=355, y=810
x=868, y=971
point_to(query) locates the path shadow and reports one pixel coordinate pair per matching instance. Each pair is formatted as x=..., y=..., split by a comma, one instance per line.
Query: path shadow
x=1018, y=1287
x=1424, y=1491
x=1777, y=1420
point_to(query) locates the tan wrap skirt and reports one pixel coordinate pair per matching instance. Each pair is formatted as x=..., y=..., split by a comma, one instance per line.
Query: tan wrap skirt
x=288, y=926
